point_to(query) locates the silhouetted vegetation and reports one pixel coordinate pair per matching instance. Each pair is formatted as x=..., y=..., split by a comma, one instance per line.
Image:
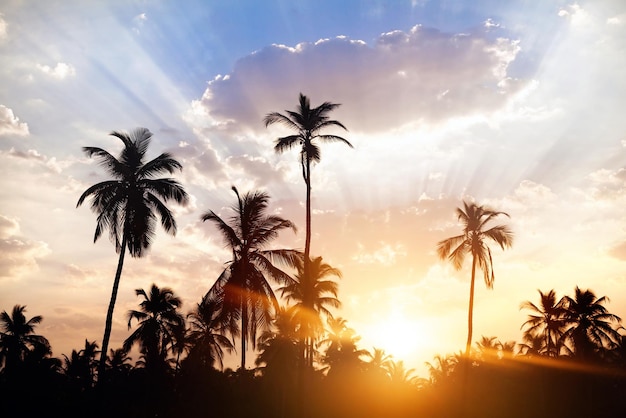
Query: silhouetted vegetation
x=571, y=360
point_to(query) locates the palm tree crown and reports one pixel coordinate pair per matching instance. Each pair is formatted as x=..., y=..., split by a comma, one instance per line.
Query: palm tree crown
x=313, y=295
x=591, y=324
x=473, y=240
x=243, y=290
x=158, y=317
x=18, y=338
x=129, y=203
x=546, y=320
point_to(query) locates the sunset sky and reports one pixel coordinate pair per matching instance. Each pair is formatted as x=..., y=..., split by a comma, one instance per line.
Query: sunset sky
x=519, y=105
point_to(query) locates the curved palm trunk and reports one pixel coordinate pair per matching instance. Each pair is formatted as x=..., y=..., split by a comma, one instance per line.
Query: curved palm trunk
x=470, y=314
x=109, y=320
x=244, y=324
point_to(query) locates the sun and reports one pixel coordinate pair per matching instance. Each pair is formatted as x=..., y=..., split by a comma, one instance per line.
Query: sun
x=398, y=335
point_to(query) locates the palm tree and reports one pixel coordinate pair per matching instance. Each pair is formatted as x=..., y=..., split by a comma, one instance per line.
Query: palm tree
x=128, y=204
x=158, y=319
x=313, y=296
x=342, y=354
x=474, y=241
x=442, y=368
x=591, y=324
x=81, y=365
x=307, y=123
x=399, y=374
x=547, y=320
x=206, y=335
x=242, y=289
x=18, y=338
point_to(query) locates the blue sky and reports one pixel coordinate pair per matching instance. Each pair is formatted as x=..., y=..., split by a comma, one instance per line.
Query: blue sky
x=517, y=104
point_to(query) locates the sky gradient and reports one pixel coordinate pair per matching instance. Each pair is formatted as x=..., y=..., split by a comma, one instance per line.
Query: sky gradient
x=517, y=105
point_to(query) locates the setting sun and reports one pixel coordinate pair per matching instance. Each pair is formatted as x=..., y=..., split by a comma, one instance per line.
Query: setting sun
x=398, y=335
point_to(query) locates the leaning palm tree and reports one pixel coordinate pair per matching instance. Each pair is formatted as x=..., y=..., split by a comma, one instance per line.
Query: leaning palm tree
x=546, y=320
x=129, y=203
x=243, y=289
x=158, y=319
x=473, y=241
x=592, y=327
x=313, y=295
x=18, y=338
x=307, y=123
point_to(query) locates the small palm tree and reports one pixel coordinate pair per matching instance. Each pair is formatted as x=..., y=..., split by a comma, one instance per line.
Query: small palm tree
x=546, y=320
x=157, y=319
x=80, y=367
x=129, y=203
x=591, y=325
x=307, y=124
x=442, y=368
x=242, y=289
x=206, y=335
x=399, y=375
x=18, y=338
x=473, y=241
x=314, y=295
x=342, y=354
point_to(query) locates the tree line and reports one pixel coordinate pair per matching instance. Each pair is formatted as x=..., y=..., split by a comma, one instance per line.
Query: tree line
x=278, y=303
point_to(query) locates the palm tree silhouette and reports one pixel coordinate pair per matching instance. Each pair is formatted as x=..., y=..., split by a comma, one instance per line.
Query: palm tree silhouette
x=307, y=123
x=242, y=289
x=313, y=295
x=80, y=367
x=18, y=338
x=591, y=324
x=157, y=319
x=474, y=219
x=546, y=320
x=128, y=204
x=206, y=335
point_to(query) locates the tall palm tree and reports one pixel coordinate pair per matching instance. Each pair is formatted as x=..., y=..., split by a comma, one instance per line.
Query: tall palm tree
x=313, y=295
x=206, y=335
x=591, y=324
x=243, y=289
x=158, y=318
x=473, y=241
x=307, y=123
x=18, y=338
x=546, y=320
x=129, y=203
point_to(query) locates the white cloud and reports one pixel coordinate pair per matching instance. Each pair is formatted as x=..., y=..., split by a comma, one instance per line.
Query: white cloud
x=3, y=28
x=386, y=254
x=406, y=72
x=18, y=255
x=60, y=71
x=10, y=124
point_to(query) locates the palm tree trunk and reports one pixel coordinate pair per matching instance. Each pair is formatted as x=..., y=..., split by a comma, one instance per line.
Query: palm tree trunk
x=470, y=314
x=244, y=324
x=109, y=320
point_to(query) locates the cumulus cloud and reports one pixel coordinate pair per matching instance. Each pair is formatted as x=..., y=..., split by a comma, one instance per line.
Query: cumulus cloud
x=10, y=124
x=50, y=163
x=18, y=255
x=60, y=71
x=386, y=254
x=422, y=74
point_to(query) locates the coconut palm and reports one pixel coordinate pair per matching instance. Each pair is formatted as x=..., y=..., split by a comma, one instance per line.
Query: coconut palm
x=342, y=354
x=128, y=205
x=399, y=374
x=80, y=367
x=441, y=368
x=206, y=335
x=18, y=338
x=243, y=289
x=591, y=325
x=473, y=241
x=158, y=318
x=313, y=295
x=307, y=124
x=546, y=320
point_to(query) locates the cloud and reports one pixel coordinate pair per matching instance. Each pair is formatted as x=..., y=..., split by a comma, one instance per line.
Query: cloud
x=422, y=74
x=18, y=255
x=386, y=254
x=51, y=164
x=3, y=28
x=10, y=124
x=60, y=71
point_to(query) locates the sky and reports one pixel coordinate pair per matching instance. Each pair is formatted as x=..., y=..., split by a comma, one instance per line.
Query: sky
x=517, y=105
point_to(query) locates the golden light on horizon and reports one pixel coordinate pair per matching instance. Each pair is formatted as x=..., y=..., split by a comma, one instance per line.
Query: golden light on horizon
x=399, y=335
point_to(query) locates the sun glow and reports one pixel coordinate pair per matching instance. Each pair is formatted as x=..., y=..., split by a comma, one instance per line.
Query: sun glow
x=398, y=335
